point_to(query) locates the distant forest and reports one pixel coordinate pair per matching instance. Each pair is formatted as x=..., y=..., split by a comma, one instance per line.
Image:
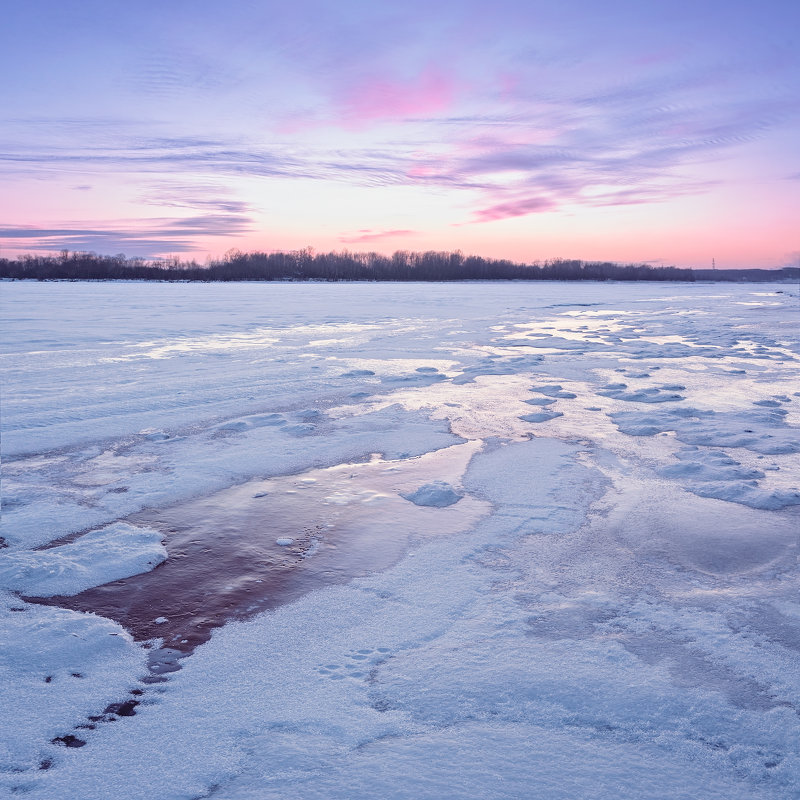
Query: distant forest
x=305, y=265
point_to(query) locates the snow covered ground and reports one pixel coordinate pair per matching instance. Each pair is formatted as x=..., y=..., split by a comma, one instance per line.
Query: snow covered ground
x=468, y=541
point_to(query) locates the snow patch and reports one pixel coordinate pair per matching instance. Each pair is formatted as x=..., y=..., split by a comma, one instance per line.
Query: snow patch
x=541, y=416
x=438, y=494
x=107, y=554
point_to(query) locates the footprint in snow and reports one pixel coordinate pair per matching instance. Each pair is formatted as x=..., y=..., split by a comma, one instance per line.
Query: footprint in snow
x=357, y=664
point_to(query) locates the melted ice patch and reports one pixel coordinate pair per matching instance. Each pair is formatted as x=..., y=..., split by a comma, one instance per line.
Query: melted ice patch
x=264, y=543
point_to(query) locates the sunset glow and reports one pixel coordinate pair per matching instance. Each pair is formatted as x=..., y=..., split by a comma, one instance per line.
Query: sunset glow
x=634, y=132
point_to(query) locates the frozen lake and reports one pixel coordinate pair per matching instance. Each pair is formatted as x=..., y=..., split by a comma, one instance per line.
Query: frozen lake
x=477, y=540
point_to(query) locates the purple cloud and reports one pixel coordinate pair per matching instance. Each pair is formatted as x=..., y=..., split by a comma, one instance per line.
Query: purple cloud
x=518, y=107
x=134, y=237
x=513, y=208
x=367, y=235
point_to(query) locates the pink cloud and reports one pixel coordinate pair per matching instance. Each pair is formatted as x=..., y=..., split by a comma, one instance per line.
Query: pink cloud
x=422, y=171
x=514, y=208
x=387, y=98
x=366, y=235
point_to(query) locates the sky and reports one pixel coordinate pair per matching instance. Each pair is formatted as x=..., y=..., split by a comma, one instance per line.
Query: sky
x=647, y=131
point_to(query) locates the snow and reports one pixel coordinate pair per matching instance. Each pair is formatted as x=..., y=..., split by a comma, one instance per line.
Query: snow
x=438, y=494
x=553, y=390
x=608, y=610
x=57, y=668
x=541, y=416
x=713, y=473
x=107, y=554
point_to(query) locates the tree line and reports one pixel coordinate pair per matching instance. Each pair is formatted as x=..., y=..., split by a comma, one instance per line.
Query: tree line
x=305, y=265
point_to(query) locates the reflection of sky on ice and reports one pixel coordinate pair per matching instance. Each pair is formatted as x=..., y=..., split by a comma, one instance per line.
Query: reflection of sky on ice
x=614, y=597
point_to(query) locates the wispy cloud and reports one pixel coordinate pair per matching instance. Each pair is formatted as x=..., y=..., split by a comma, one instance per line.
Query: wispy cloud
x=205, y=197
x=597, y=151
x=612, y=149
x=133, y=237
x=513, y=208
x=175, y=73
x=367, y=235
x=562, y=145
x=193, y=157
x=511, y=143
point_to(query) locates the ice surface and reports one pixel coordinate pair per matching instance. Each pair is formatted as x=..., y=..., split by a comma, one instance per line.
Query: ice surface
x=553, y=390
x=713, y=473
x=541, y=416
x=206, y=461
x=762, y=432
x=650, y=394
x=610, y=609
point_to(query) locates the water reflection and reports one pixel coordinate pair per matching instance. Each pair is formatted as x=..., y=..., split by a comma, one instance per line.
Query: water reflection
x=266, y=542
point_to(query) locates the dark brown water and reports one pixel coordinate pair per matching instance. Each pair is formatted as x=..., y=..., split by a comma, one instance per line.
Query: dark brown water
x=224, y=561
